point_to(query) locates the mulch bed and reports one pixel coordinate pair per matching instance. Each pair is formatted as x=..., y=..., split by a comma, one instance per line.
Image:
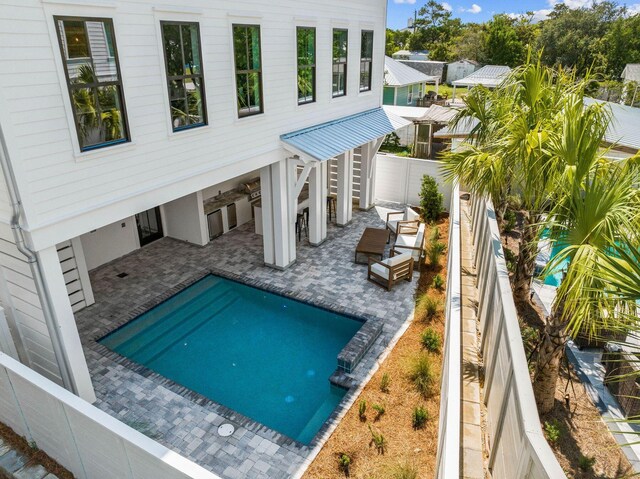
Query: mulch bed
x=36, y=456
x=406, y=447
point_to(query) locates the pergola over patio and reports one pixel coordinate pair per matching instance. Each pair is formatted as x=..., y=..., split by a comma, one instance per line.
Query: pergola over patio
x=309, y=151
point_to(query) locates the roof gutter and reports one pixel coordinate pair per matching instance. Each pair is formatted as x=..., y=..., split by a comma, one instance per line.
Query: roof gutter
x=34, y=265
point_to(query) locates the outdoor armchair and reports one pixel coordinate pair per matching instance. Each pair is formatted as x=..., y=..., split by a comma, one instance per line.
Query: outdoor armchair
x=388, y=272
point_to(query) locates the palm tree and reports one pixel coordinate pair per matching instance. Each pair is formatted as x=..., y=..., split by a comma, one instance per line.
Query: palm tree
x=595, y=202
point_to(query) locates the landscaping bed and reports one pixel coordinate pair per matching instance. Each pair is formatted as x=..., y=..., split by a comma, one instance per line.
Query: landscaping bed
x=408, y=451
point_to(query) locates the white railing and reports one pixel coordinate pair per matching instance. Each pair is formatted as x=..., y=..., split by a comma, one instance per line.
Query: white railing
x=88, y=442
x=517, y=446
x=448, y=459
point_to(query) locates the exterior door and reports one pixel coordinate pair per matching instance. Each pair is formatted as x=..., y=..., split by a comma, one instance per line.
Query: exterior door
x=149, y=225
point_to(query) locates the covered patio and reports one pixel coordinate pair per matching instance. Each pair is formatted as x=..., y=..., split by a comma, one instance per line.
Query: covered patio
x=324, y=275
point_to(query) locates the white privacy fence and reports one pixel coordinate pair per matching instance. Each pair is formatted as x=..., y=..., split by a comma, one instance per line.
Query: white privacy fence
x=518, y=448
x=398, y=179
x=88, y=442
x=448, y=460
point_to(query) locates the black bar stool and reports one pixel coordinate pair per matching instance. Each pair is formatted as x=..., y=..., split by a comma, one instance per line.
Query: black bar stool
x=332, y=206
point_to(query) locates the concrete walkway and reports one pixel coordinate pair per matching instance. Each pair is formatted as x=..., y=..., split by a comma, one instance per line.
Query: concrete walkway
x=472, y=438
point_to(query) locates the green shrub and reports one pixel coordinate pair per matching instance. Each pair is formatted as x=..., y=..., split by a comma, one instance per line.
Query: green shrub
x=434, y=252
x=391, y=141
x=362, y=410
x=553, y=430
x=514, y=202
x=430, y=340
x=378, y=440
x=379, y=409
x=344, y=462
x=430, y=199
x=420, y=417
x=586, y=462
x=422, y=375
x=404, y=471
x=509, y=222
x=530, y=337
x=438, y=282
x=435, y=234
x=384, y=383
x=511, y=260
x=429, y=305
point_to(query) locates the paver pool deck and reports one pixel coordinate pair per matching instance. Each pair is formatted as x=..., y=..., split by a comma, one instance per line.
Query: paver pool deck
x=325, y=275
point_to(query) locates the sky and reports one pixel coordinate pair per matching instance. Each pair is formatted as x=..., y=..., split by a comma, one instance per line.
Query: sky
x=482, y=10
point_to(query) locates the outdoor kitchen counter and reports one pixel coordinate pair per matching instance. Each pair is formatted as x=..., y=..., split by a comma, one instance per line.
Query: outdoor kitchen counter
x=212, y=204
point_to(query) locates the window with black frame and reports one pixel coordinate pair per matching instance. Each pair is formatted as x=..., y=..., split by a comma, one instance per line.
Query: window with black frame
x=246, y=49
x=339, y=77
x=306, y=45
x=90, y=58
x=366, y=59
x=185, y=81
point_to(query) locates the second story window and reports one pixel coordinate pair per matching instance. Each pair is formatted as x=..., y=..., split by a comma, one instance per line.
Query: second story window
x=246, y=49
x=306, y=40
x=90, y=58
x=366, y=60
x=339, y=74
x=183, y=62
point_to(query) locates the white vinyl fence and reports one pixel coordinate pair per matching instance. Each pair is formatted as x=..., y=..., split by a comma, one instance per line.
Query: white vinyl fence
x=518, y=448
x=88, y=442
x=448, y=460
x=398, y=179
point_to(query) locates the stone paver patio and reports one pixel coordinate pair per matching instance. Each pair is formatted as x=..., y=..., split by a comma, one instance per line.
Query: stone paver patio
x=325, y=275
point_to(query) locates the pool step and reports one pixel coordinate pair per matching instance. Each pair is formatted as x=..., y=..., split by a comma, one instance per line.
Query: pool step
x=170, y=317
x=187, y=328
x=322, y=414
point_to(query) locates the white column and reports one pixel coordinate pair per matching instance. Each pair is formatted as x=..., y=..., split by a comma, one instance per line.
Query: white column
x=345, y=184
x=278, y=227
x=367, y=173
x=65, y=322
x=318, y=204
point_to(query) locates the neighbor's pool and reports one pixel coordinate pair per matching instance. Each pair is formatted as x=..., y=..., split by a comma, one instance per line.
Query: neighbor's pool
x=260, y=354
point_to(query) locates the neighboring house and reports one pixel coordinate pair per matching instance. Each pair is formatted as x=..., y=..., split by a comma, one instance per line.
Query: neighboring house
x=631, y=73
x=403, y=85
x=460, y=69
x=421, y=55
x=489, y=76
x=430, y=68
x=124, y=122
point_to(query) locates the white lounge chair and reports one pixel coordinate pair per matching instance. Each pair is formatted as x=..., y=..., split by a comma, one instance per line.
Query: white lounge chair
x=388, y=272
x=410, y=241
x=408, y=218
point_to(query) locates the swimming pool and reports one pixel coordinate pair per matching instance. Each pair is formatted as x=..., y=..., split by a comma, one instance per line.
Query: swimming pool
x=260, y=354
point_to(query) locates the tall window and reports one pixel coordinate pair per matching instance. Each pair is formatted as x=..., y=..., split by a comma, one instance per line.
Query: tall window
x=306, y=39
x=246, y=48
x=183, y=62
x=366, y=59
x=90, y=58
x=340, y=46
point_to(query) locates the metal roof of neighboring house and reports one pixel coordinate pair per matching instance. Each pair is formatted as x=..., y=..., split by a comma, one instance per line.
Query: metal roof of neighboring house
x=439, y=114
x=631, y=72
x=464, y=60
x=624, y=130
x=406, y=112
x=327, y=140
x=489, y=76
x=430, y=68
x=397, y=74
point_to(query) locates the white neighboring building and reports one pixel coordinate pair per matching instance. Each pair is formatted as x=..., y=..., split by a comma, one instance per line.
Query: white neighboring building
x=460, y=69
x=123, y=122
x=631, y=73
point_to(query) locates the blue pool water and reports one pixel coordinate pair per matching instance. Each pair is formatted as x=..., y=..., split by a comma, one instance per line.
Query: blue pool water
x=260, y=354
x=556, y=278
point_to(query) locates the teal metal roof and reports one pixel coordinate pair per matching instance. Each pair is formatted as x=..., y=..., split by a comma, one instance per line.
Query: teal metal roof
x=327, y=140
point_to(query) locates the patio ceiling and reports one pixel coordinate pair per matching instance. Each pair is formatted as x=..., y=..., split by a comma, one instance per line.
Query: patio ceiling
x=327, y=140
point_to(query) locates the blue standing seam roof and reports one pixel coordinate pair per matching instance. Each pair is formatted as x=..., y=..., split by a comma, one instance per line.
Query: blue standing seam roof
x=327, y=140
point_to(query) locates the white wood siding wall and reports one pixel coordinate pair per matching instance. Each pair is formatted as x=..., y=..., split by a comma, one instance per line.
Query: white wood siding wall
x=76, y=276
x=333, y=174
x=70, y=193
x=23, y=309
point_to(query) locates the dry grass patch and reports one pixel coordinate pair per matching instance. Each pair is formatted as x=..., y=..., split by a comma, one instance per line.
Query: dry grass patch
x=407, y=451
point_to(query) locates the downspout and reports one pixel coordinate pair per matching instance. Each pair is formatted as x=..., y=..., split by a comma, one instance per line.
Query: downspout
x=34, y=265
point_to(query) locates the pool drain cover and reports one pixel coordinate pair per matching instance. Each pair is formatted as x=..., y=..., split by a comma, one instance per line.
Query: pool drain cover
x=225, y=430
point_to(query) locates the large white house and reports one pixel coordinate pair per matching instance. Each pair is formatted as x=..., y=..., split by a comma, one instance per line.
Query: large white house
x=123, y=122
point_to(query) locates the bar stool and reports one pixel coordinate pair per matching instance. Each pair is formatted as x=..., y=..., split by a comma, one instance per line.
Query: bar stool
x=302, y=224
x=332, y=206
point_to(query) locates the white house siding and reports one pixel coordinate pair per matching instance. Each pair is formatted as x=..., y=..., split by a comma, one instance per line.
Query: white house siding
x=110, y=242
x=70, y=193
